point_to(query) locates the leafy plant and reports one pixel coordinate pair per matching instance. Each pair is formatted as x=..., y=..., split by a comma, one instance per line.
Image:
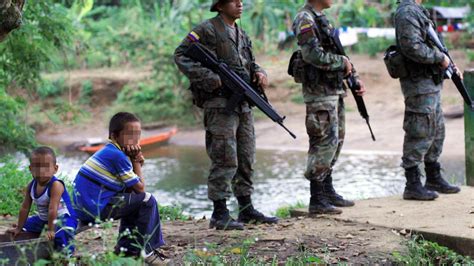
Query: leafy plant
x=13, y=181
x=422, y=252
x=284, y=212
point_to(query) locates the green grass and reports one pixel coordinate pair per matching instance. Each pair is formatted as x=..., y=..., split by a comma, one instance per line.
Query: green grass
x=284, y=211
x=422, y=252
x=13, y=180
x=172, y=213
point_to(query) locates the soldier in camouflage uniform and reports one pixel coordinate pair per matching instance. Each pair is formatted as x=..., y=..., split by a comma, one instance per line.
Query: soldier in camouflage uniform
x=10, y=16
x=423, y=123
x=230, y=137
x=323, y=92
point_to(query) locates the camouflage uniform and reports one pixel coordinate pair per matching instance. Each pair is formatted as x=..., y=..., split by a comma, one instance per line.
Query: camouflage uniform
x=230, y=137
x=424, y=122
x=323, y=92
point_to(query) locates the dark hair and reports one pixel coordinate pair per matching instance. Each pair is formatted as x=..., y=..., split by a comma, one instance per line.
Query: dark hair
x=43, y=150
x=118, y=121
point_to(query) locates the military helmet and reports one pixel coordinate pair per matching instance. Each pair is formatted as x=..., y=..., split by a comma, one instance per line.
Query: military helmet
x=214, y=5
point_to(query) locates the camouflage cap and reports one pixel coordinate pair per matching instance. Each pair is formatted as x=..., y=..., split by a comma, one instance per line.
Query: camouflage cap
x=214, y=5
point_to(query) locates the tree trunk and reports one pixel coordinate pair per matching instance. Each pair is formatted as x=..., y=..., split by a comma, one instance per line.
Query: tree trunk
x=10, y=16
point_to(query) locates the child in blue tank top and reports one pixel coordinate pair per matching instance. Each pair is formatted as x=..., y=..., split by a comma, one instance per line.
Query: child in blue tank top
x=52, y=200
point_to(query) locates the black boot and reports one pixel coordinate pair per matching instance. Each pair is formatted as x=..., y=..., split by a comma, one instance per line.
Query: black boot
x=248, y=214
x=413, y=189
x=221, y=218
x=318, y=203
x=334, y=198
x=435, y=181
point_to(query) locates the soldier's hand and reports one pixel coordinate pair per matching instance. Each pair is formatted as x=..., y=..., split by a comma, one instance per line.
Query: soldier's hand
x=458, y=72
x=362, y=91
x=445, y=63
x=347, y=66
x=215, y=82
x=261, y=80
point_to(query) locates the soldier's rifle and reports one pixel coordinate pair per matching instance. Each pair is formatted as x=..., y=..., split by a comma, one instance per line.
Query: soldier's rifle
x=240, y=89
x=353, y=84
x=451, y=71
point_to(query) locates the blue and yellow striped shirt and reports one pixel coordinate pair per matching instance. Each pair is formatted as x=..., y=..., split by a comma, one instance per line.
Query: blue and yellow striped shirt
x=106, y=173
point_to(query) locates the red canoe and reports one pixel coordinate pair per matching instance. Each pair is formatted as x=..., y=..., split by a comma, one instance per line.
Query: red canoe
x=145, y=143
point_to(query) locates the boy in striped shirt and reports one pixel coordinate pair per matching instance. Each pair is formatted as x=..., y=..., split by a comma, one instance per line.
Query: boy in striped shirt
x=110, y=184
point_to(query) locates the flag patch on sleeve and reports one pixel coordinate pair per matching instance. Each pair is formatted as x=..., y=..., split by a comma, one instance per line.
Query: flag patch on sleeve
x=305, y=28
x=193, y=36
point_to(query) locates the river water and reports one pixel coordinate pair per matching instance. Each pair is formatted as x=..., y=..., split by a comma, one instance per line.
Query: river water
x=178, y=175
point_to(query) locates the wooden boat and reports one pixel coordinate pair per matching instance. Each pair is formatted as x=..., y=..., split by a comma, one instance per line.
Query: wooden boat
x=145, y=143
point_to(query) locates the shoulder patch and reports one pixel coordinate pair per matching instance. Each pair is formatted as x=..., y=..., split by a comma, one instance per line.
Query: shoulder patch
x=193, y=36
x=305, y=28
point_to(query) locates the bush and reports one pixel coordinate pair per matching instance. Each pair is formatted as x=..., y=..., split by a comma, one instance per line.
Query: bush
x=15, y=134
x=372, y=46
x=284, y=212
x=13, y=181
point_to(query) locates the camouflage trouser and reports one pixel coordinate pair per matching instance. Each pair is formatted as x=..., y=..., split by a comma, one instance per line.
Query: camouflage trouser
x=325, y=125
x=230, y=144
x=424, y=129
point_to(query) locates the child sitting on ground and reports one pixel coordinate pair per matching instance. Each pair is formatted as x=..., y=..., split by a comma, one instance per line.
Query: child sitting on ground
x=52, y=201
x=110, y=184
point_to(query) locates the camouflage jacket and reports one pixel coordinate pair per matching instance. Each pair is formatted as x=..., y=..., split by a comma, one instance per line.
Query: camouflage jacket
x=422, y=58
x=325, y=76
x=235, y=52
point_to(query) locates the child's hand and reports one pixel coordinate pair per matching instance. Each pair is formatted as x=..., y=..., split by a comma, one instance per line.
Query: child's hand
x=132, y=151
x=139, y=158
x=15, y=231
x=50, y=235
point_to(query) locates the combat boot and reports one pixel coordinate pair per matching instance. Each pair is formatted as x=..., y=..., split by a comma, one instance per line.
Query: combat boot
x=331, y=195
x=221, y=219
x=436, y=182
x=318, y=203
x=249, y=215
x=413, y=189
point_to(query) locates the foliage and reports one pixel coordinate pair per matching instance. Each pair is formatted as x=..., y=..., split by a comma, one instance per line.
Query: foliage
x=284, y=211
x=372, y=46
x=172, y=213
x=27, y=50
x=22, y=57
x=15, y=134
x=13, y=181
x=422, y=252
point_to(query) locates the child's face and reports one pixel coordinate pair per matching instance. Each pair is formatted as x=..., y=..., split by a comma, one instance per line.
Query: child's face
x=130, y=135
x=42, y=167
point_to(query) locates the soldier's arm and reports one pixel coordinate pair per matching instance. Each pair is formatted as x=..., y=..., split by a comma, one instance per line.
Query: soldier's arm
x=254, y=67
x=311, y=49
x=412, y=45
x=205, y=78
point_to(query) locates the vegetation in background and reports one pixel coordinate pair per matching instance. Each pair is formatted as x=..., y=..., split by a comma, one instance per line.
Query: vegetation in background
x=87, y=34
